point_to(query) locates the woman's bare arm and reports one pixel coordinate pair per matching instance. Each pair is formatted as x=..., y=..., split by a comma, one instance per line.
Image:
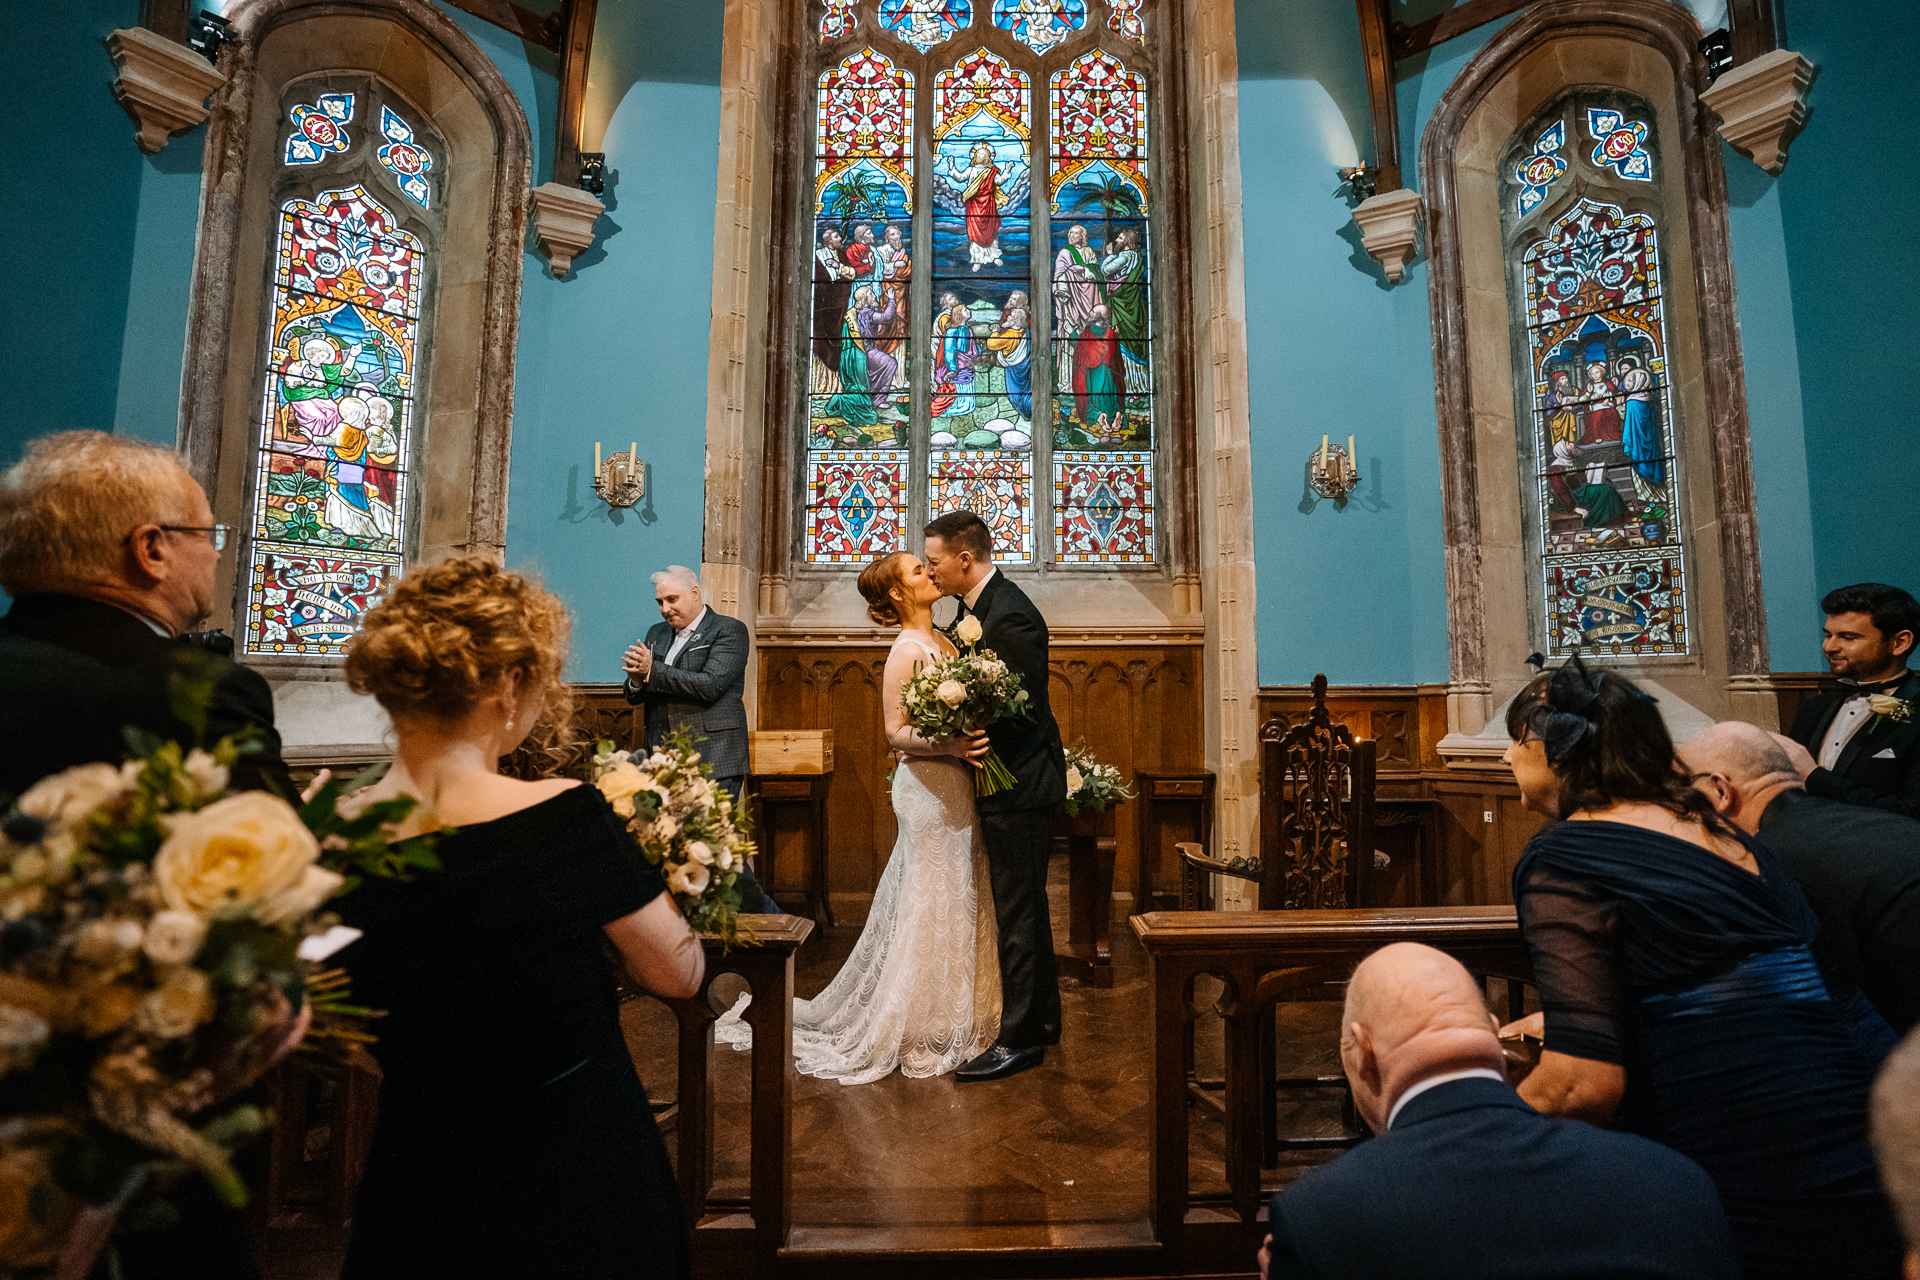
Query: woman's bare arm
x=901, y=736
x=1578, y=1088
x=660, y=950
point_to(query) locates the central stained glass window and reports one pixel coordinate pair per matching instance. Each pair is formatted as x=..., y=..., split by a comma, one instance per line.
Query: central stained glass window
x=953, y=363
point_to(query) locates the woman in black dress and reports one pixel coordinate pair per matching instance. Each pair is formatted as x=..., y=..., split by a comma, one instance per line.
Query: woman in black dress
x=1679, y=975
x=514, y=1139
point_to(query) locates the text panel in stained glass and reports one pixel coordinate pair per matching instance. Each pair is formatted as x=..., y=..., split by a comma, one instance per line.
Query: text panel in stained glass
x=856, y=505
x=1618, y=605
x=1602, y=421
x=303, y=603
x=1103, y=508
x=335, y=423
x=995, y=485
x=982, y=169
x=859, y=363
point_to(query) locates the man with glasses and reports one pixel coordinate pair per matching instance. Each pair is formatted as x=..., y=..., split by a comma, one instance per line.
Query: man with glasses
x=109, y=550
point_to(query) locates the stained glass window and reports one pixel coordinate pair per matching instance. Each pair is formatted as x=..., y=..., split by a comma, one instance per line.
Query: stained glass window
x=1605, y=475
x=1543, y=168
x=319, y=128
x=957, y=374
x=401, y=157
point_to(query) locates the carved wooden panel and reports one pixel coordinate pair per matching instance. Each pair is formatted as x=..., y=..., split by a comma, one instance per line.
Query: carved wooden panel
x=599, y=711
x=1138, y=707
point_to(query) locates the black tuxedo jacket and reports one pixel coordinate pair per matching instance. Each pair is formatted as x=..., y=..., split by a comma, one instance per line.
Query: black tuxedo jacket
x=75, y=673
x=1877, y=766
x=702, y=691
x=1860, y=870
x=1473, y=1183
x=1029, y=745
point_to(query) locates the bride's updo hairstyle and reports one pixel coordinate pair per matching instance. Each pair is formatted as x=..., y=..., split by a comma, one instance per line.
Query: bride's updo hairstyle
x=877, y=583
x=447, y=633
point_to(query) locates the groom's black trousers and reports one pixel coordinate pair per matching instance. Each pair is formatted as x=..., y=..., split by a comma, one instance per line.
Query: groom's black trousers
x=1018, y=843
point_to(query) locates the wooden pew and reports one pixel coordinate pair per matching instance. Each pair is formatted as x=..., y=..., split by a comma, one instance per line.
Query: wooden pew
x=1260, y=957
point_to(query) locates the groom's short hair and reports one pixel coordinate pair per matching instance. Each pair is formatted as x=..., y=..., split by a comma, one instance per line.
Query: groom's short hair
x=963, y=531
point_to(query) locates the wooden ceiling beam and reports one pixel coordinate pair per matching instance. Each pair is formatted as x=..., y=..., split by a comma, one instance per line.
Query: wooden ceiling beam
x=525, y=23
x=576, y=52
x=1753, y=30
x=1380, y=93
x=1422, y=36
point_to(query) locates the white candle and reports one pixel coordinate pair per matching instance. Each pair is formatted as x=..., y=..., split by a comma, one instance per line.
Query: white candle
x=1323, y=453
x=596, y=459
x=633, y=456
x=1353, y=459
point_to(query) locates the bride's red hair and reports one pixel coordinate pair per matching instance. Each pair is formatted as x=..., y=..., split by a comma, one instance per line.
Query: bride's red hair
x=877, y=583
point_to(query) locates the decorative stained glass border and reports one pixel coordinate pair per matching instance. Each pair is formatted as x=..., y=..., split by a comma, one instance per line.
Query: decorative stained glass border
x=1103, y=508
x=1618, y=606
x=856, y=505
x=995, y=485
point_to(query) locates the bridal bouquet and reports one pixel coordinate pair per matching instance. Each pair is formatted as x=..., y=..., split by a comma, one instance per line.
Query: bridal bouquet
x=1091, y=786
x=162, y=947
x=685, y=826
x=964, y=693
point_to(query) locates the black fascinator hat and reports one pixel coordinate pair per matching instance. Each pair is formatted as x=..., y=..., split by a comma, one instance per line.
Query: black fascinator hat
x=1558, y=708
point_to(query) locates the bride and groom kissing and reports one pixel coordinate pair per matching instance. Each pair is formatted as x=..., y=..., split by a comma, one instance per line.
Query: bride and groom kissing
x=954, y=971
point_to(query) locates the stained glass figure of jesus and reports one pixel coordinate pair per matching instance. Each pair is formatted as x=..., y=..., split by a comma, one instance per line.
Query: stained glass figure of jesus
x=981, y=191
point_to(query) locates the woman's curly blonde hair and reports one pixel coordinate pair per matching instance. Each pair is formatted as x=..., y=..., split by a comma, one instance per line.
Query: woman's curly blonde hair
x=448, y=632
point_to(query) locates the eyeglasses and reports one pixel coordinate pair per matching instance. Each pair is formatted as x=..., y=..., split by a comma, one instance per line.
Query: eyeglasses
x=216, y=533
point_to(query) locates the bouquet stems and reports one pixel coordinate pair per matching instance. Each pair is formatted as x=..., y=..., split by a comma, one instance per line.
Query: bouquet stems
x=993, y=776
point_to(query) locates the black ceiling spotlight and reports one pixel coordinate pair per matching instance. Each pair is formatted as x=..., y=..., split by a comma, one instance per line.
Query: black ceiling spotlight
x=1717, y=48
x=208, y=33
x=593, y=172
x=1358, y=183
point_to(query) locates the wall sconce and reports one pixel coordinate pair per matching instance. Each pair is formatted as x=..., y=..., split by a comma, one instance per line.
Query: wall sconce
x=1717, y=48
x=623, y=478
x=1331, y=471
x=208, y=33
x=593, y=172
x=1358, y=183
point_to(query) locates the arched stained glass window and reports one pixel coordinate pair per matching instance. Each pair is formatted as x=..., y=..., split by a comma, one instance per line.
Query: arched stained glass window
x=336, y=430
x=1005, y=378
x=1604, y=497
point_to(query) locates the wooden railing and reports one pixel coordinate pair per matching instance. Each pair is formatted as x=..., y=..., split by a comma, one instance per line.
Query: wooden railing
x=1260, y=957
x=731, y=1237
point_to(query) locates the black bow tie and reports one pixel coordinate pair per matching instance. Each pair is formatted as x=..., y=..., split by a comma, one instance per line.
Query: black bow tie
x=1855, y=689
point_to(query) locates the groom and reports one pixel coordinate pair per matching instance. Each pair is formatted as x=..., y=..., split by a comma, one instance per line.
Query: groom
x=1016, y=824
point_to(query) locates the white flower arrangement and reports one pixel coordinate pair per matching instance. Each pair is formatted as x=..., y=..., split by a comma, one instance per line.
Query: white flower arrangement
x=1091, y=786
x=158, y=946
x=1885, y=705
x=963, y=693
x=686, y=827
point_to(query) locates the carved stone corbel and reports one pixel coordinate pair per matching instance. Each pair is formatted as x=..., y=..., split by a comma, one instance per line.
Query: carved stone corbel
x=1762, y=105
x=1389, y=229
x=161, y=84
x=563, y=219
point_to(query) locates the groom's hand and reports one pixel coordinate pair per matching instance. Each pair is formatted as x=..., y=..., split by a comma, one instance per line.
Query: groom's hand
x=972, y=747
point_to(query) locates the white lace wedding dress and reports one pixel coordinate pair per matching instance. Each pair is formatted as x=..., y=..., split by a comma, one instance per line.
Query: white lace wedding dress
x=921, y=990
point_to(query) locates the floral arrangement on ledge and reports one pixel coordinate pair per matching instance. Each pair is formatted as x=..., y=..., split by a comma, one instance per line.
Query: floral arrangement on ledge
x=685, y=826
x=964, y=693
x=1091, y=786
x=162, y=947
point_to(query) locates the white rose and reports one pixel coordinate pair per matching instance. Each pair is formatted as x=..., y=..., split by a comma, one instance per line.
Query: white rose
x=618, y=785
x=724, y=860
x=689, y=878
x=246, y=849
x=951, y=692
x=1885, y=704
x=174, y=937
x=74, y=793
x=208, y=776
x=697, y=851
x=177, y=1005
x=968, y=630
x=1074, y=780
x=665, y=826
x=104, y=941
x=300, y=898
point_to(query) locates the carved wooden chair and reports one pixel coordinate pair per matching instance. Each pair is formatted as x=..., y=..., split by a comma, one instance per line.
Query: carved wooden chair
x=1316, y=813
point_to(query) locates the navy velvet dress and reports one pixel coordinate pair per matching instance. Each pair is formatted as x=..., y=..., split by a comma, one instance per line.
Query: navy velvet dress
x=513, y=1138
x=1701, y=979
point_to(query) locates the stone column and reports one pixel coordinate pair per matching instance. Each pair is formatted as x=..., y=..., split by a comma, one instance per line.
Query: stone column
x=736, y=365
x=1223, y=450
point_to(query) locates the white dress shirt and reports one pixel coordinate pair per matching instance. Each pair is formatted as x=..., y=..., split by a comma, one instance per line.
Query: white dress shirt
x=1853, y=713
x=973, y=597
x=1445, y=1077
x=683, y=635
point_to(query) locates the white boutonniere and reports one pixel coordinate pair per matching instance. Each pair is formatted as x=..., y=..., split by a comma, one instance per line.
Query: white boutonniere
x=1885, y=705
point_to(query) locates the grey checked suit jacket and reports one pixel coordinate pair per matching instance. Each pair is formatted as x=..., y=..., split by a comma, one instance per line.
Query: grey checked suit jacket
x=701, y=691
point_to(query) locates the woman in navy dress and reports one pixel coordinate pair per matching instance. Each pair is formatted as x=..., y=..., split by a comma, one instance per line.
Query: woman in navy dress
x=1682, y=985
x=514, y=1139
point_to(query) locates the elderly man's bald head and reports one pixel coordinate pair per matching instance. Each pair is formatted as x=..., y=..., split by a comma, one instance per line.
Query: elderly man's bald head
x=1411, y=1012
x=1739, y=751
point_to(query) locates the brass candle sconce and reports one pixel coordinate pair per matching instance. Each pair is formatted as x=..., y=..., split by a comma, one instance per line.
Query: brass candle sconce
x=622, y=479
x=1332, y=471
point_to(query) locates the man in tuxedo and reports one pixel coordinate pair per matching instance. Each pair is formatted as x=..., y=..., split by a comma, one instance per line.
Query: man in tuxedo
x=1851, y=750
x=1859, y=866
x=1454, y=1140
x=108, y=548
x=691, y=673
x=1896, y=1141
x=1016, y=824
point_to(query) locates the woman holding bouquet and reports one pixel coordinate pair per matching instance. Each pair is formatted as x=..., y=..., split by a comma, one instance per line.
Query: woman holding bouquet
x=921, y=990
x=514, y=1138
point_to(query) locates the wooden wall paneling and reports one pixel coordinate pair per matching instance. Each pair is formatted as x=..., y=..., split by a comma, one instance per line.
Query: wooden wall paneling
x=1794, y=687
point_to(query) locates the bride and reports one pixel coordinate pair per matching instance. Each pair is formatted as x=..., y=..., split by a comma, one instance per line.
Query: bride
x=921, y=990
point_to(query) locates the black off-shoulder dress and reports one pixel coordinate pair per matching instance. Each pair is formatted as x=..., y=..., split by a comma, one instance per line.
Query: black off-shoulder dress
x=513, y=1139
x=1702, y=980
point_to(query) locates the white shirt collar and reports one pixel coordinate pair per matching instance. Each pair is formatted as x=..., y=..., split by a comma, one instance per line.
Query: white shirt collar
x=973, y=597
x=693, y=626
x=1432, y=1082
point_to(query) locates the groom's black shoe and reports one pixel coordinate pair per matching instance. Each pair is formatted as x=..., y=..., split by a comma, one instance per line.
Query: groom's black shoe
x=999, y=1062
